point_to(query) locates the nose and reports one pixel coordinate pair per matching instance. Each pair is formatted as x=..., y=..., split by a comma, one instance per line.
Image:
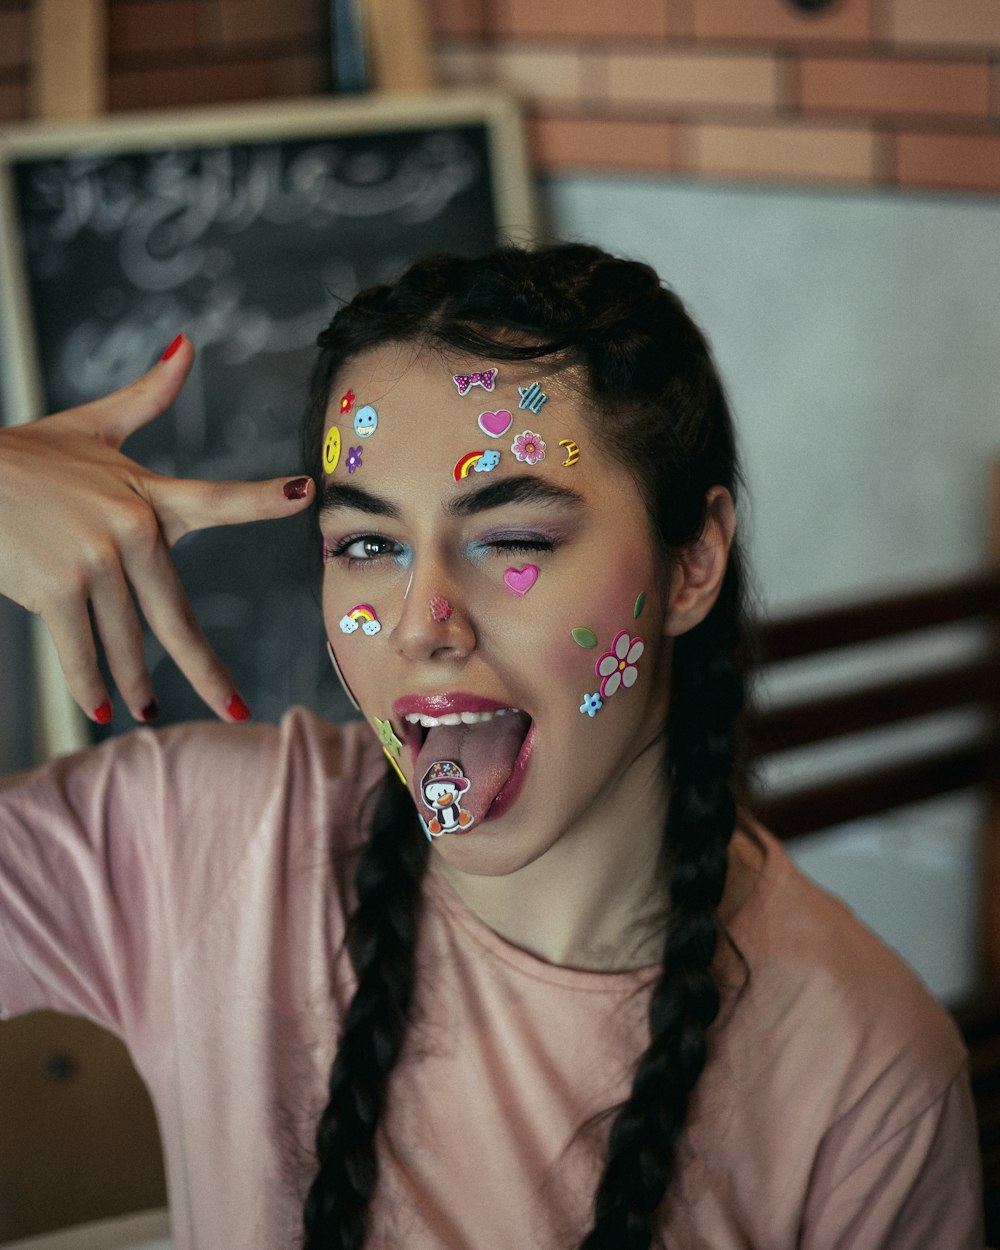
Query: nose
x=434, y=623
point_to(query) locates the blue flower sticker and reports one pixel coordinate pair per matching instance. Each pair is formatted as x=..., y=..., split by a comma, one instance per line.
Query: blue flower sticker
x=592, y=704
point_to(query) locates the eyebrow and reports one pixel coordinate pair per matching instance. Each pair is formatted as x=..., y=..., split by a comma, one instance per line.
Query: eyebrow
x=521, y=489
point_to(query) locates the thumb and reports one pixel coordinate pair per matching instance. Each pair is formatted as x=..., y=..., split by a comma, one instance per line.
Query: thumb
x=183, y=505
x=121, y=413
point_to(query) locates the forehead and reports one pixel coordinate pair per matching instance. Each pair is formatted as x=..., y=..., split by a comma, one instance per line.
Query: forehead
x=493, y=421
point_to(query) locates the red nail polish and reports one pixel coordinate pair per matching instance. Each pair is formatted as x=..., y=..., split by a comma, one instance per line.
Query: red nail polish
x=237, y=709
x=151, y=711
x=172, y=348
x=102, y=714
x=296, y=488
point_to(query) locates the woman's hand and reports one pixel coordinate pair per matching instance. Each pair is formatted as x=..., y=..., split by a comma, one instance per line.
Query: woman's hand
x=81, y=523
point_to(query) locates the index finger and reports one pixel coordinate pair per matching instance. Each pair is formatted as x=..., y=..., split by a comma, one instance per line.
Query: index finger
x=170, y=616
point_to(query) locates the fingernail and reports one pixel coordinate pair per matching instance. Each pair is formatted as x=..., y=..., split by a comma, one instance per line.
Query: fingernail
x=237, y=709
x=102, y=714
x=151, y=711
x=172, y=348
x=296, y=488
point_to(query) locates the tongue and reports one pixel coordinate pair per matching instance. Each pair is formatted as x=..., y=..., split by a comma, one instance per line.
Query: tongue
x=485, y=752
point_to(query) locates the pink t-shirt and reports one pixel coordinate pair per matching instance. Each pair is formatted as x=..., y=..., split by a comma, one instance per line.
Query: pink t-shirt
x=187, y=889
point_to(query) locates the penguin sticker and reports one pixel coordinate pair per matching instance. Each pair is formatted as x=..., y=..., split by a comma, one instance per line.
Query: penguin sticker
x=441, y=789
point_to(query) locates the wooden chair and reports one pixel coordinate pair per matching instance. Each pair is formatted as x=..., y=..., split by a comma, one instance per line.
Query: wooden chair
x=860, y=704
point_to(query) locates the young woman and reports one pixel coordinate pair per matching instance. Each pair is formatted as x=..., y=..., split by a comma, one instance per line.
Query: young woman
x=502, y=965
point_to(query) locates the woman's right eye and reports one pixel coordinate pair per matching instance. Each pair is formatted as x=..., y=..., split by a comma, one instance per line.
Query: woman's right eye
x=366, y=548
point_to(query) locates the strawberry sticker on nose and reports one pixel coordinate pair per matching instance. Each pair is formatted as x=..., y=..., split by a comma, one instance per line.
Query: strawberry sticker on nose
x=520, y=581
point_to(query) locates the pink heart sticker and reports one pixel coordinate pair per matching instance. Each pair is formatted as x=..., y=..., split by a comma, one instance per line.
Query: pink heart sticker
x=495, y=424
x=520, y=581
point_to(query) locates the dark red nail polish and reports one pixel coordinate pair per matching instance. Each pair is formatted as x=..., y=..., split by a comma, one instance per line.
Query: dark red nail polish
x=151, y=711
x=237, y=709
x=175, y=344
x=102, y=714
x=296, y=488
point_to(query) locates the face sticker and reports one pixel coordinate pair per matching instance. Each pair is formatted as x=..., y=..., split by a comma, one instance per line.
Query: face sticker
x=487, y=461
x=583, y=637
x=353, y=459
x=495, y=424
x=346, y=402
x=387, y=736
x=331, y=449
x=397, y=770
x=520, y=581
x=466, y=464
x=465, y=381
x=365, y=421
x=640, y=603
x=618, y=666
x=528, y=447
x=364, y=616
x=532, y=397
x=591, y=705
x=441, y=789
x=440, y=608
x=572, y=452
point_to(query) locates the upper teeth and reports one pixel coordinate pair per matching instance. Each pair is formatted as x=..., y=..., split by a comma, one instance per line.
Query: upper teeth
x=454, y=718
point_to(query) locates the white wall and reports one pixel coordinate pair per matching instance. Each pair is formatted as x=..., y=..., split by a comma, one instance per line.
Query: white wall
x=859, y=338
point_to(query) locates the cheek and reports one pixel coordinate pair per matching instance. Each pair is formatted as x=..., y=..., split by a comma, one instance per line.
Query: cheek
x=600, y=612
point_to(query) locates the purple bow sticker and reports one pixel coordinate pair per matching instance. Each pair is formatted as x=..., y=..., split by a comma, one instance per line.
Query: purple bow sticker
x=464, y=381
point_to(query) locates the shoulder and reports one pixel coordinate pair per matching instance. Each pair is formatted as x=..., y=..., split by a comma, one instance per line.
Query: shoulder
x=831, y=1005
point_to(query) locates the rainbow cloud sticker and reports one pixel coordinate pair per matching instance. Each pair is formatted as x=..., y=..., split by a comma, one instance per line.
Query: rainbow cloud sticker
x=363, y=615
x=480, y=461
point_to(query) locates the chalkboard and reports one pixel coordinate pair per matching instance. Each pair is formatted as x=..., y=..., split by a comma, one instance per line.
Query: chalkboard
x=245, y=229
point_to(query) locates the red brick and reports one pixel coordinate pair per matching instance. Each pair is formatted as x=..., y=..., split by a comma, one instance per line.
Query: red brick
x=232, y=23
x=191, y=85
x=152, y=26
x=457, y=18
x=795, y=152
x=895, y=87
x=945, y=23
x=560, y=143
x=850, y=21
x=586, y=19
x=13, y=102
x=955, y=162
x=13, y=38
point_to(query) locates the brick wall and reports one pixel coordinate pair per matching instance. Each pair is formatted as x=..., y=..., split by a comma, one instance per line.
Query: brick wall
x=865, y=92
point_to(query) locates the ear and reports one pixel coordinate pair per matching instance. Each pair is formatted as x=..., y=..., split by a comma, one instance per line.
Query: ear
x=698, y=573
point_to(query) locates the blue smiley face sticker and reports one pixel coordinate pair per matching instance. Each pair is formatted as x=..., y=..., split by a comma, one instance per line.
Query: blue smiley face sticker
x=488, y=460
x=365, y=421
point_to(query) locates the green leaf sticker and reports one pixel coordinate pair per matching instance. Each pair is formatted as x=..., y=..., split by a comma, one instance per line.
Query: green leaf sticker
x=584, y=637
x=640, y=603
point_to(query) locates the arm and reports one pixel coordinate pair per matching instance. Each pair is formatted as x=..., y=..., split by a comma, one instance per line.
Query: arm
x=81, y=525
x=917, y=1187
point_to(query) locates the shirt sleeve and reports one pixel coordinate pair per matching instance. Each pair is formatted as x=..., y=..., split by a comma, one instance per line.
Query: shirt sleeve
x=917, y=1187
x=112, y=859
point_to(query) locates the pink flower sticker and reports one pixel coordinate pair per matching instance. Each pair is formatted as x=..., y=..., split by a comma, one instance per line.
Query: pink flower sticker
x=528, y=447
x=617, y=666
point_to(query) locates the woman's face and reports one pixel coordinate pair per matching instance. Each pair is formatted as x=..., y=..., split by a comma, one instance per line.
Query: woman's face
x=473, y=586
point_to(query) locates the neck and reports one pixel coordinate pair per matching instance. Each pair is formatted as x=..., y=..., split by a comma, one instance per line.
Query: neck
x=596, y=898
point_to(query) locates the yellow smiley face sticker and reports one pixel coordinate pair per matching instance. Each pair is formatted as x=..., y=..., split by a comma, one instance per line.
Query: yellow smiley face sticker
x=331, y=449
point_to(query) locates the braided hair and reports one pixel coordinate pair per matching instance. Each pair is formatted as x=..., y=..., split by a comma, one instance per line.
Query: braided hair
x=642, y=356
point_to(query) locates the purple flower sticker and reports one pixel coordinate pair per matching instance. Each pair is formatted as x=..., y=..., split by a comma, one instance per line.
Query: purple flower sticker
x=617, y=666
x=528, y=447
x=353, y=459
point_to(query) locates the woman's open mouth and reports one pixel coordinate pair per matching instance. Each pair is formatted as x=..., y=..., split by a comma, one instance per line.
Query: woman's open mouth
x=489, y=741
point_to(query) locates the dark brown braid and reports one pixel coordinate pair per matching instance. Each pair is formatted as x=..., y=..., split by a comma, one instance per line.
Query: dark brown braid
x=381, y=941
x=642, y=354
